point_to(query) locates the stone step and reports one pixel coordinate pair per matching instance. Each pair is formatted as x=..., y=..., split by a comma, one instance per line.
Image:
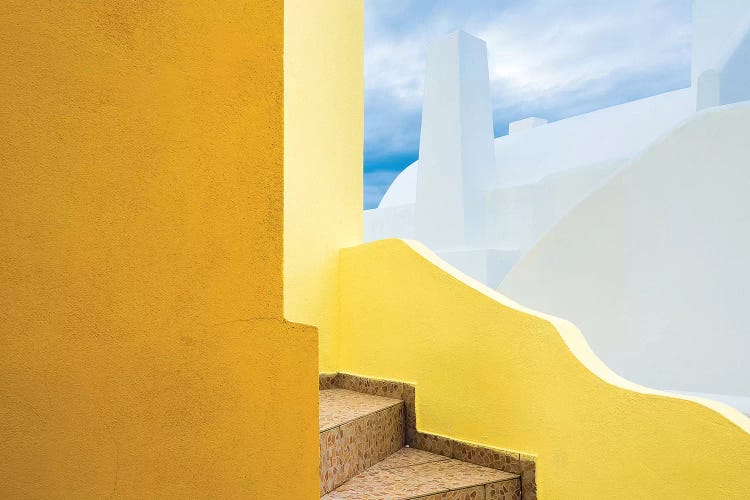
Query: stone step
x=415, y=474
x=356, y=431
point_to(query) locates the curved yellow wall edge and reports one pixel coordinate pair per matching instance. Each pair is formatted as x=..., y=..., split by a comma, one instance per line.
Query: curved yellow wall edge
x=490, y=371
x=578, y=345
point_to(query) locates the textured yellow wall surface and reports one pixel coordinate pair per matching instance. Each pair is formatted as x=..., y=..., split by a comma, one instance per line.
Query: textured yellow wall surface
x=143, y=351
x=323, y=124
x=489, y=371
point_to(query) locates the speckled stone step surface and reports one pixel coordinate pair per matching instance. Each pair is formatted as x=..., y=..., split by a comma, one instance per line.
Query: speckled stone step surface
x=415, y=474
x=356, y=431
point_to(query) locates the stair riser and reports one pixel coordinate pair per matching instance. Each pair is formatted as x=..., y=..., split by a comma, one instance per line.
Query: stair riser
x=505, y=460
x=350, y=448
x=507, y=490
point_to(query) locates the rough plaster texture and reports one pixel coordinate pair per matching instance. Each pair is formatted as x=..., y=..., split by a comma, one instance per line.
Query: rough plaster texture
x=659, y=282
x=492, y=372
x=323, y=123
x=142, y=347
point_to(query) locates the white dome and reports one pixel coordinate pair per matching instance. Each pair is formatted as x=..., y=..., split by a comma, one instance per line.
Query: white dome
x=403, y=189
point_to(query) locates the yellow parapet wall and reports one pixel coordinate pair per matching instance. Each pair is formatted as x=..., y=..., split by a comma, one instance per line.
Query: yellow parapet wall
x=323, y=122
x=491, y=372
x=143, y=350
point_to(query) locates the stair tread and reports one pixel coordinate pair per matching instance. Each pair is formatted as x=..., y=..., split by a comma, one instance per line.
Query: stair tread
x=411, y=473
x=339, y=406
x=408, y=456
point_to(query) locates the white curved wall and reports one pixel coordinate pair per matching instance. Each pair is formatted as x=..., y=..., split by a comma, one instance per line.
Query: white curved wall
x=654, y=267
x=608, y=134
x=531, y=155
x=517, y=216
x=389, y=222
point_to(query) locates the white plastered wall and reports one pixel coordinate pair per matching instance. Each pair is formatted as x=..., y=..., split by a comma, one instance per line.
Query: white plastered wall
x=654, y=267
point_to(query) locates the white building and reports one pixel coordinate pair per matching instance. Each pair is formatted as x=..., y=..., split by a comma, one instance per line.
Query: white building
x=590, y=217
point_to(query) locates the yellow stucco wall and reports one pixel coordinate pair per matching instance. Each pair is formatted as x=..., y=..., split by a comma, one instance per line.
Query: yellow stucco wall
x=489, y=371
x=323, y=123
x=143, y=351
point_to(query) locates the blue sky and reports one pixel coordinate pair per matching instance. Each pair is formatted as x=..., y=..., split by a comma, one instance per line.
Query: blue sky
x=547, y=58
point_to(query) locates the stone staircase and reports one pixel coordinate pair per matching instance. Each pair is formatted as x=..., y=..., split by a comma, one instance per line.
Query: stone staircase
x=370, y=449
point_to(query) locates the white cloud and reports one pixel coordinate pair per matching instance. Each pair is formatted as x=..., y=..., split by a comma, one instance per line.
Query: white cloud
x=554, y=55
x=608, y=41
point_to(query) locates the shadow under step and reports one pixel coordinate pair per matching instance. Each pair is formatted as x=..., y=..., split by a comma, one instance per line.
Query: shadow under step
x=416, y=474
